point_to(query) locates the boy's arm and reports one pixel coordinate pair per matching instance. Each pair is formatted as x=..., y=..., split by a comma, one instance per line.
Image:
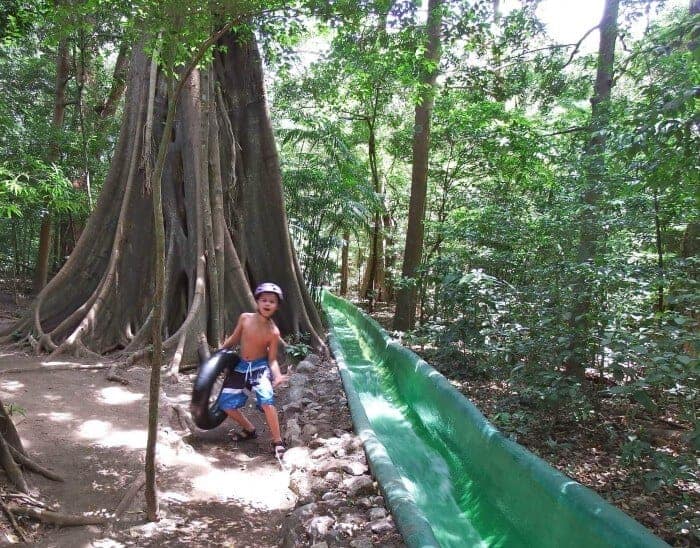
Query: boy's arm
x=235, y=337
x=277, y=376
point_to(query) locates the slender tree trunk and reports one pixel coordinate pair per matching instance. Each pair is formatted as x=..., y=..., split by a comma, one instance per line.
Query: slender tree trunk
x=659, y=253
x=373, y=283
x=344, y=264
x=153, y=184
x=581, y=345
x=121, y=70
x=406, y=296
x=59, y=108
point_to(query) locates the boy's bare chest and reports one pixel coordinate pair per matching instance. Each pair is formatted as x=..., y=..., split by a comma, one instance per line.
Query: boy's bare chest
x=255, y=337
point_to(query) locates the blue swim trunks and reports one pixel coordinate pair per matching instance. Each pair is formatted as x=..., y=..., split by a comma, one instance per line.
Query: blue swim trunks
x=253, y=376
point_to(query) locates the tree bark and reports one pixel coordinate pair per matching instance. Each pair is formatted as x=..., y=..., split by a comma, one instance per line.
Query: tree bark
x=263, y=244
x=153, y=183
x=406, y=296
x=344, y=264
x=580, y=352
x=8, y=430
x=101, y=300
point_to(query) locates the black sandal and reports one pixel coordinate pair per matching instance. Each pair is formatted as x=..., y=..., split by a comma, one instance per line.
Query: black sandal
x=278, y=449
x=243, y=435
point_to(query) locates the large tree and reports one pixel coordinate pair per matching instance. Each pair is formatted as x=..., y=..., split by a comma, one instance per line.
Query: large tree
x=225, y=223
x=406, y=296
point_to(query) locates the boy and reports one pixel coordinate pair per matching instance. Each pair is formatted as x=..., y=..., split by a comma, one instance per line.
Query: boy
x=258, y=370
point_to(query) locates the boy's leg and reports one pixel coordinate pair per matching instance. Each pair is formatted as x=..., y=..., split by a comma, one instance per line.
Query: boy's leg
x=265, y=397
x=272, y=421
x=241, y=419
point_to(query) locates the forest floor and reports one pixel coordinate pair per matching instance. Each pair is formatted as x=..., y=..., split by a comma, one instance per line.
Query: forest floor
x=595, y=449
x=213, y=492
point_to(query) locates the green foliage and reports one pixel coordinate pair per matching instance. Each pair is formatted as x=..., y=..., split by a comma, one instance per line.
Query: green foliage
x=298, y=350
x=297, y=346
x=12, y=409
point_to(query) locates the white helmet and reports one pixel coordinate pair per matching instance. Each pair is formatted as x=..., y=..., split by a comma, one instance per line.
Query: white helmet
x=269, y=287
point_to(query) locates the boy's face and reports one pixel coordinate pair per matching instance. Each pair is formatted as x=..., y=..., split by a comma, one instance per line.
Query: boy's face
x=267, y=304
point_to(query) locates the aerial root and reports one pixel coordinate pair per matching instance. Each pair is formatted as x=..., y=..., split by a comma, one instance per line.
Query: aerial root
x=29, y=464
x=184, y=418
x=58, y=518
x=13, y=521
x=51, y=369
x=129, y=496
x=14, y=473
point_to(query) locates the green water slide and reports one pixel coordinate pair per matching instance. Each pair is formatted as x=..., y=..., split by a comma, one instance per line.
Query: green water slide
x=449, y=477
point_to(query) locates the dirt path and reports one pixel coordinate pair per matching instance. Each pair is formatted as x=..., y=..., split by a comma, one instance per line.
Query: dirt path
x=93, y=432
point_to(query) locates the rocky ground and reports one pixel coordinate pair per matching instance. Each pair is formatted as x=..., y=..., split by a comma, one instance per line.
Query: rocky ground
x=337, y=500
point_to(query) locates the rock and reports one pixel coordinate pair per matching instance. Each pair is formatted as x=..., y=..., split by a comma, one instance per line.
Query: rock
x=306, y=511
x=349, y=523
x=354, y=518
x=328, y=465
x=354, y=468
x=292, y=529
x=290, y=534
x=292, y=408
x=301, y=486
x=317, y=443
x=339, y=452
x=377, y=500
x=313, y=359
x=364, y=502
x=382, y=525
x=319, y=486
x=293, y=433
x=319, y=526
x=377, y=513
x=298, y=458
x=309, y=431
x=361, y=543
x=333, y=478
x=305, y=366
x=320, y=451
x=348, y=443
x=359, y=485
x=334, y=504
x=323, y=544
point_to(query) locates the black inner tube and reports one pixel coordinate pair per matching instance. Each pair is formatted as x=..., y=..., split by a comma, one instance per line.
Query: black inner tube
x=205, y=398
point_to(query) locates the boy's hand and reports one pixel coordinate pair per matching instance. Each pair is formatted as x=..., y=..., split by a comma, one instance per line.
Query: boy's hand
x=280, y=379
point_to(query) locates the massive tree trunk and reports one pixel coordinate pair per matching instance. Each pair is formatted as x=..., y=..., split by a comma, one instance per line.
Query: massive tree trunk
x=580, y=352
x=225, y=224
x=407, y=295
